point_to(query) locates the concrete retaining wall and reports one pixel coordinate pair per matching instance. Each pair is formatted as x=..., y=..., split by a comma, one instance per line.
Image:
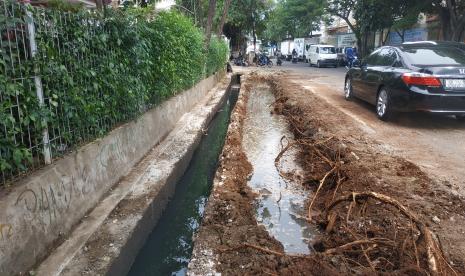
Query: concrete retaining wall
x=42, y=209
x=112, y=247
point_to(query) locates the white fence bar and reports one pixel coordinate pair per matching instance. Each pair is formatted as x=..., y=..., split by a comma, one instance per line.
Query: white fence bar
x=38, y=86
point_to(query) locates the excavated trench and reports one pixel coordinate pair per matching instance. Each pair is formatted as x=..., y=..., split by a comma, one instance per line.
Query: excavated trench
x=279, y=204
x=281, y=197
x=256, y=219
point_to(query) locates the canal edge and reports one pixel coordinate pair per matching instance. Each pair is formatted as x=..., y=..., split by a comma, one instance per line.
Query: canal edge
x=139, y=197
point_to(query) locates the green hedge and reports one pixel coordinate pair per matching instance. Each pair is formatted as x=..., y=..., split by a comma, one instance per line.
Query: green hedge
x=217, y=54
x=96, y=72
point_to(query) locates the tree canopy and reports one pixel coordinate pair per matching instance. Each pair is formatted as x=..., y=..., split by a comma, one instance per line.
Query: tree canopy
x=295, y=18
x=275, y=20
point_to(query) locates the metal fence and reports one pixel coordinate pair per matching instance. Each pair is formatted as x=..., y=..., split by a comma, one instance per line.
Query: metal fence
x=50, y=100
x=69, y=77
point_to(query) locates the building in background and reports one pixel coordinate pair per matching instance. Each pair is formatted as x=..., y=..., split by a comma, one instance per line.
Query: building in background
x=338, y=33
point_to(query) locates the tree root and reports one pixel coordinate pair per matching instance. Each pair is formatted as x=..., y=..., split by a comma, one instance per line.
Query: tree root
x=346, y=246
x=437, y=263
x=322, y=182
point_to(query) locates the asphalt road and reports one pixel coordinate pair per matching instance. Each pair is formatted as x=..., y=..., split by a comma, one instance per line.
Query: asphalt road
x=435, y=143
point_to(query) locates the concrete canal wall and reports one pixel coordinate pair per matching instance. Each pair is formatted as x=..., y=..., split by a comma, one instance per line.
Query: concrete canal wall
x=39, y=212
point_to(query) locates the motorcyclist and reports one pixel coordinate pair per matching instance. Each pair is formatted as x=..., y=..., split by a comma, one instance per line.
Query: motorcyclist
x=350, y=55
x=278, y=58
x=294, y=56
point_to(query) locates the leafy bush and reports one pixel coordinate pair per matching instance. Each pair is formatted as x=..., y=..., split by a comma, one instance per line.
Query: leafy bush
x=217, y=55
x=97, y=72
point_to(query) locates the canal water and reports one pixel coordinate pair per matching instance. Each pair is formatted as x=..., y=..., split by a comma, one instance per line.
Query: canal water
x=169, y=247
x=280, y=204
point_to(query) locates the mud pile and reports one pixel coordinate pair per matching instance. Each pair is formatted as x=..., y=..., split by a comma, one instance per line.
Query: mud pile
x=359, y=201
x=365, y=227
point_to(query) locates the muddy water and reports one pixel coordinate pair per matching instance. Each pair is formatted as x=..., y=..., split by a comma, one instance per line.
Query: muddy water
x=169, y=247
x=281, y=201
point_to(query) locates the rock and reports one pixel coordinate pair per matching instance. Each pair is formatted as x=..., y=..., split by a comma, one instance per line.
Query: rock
x=435, y=219
x=355, y=155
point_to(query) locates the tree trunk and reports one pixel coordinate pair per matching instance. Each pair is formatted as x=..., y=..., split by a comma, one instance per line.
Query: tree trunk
x=457, y=34
x=223, y=17
x=99, y=4
x=452, y=22
x=445, y=23
x=364, y=44
x=208, y=28
x=385, y=39
x=382, y=37
x=198, y=13
x=401, y=35
x=357, y=33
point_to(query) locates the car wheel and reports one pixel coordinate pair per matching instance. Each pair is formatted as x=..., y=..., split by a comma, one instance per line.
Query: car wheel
x=318, y=64
x=348, y=90
x=309, y=63
x=383, y=105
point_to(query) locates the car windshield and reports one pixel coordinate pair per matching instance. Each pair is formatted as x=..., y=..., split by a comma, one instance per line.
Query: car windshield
x=327, y=50
x=435, y=56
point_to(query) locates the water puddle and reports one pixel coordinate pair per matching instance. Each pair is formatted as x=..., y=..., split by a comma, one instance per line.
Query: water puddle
x=280, y=204
x=168, y=249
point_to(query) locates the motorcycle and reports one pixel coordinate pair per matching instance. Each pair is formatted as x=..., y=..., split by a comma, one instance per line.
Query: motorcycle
x=239, y=61
x=263, y=60
x=350, y=63
x=279, y=62
x=294, y=58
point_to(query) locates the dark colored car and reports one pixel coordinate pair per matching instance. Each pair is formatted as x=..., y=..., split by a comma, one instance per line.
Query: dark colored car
x=425, y=76
x=459, y=45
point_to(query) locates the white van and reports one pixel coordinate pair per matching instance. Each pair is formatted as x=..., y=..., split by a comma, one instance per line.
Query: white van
x=322, y=55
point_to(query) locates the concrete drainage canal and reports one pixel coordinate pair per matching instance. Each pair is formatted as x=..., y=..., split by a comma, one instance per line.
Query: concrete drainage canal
x=168, y=249
x=279, y=198
x=254, y=221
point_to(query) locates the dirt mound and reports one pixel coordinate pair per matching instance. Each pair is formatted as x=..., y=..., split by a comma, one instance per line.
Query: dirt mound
x=356, y=198
x=229, y=225
x=362, y=201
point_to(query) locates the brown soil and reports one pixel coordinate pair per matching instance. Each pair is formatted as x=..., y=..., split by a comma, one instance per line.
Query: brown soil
x=395, y=244
x=229, y=222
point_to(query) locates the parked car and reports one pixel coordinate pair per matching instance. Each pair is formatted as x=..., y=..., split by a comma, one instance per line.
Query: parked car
x=459, y=45
x=322, y=55
x=412, y=77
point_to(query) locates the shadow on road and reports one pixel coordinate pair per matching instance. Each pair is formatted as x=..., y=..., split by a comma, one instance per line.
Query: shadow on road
x=414, y=120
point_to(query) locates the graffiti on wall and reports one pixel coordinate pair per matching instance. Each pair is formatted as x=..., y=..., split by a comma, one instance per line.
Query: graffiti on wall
x=44, y=203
